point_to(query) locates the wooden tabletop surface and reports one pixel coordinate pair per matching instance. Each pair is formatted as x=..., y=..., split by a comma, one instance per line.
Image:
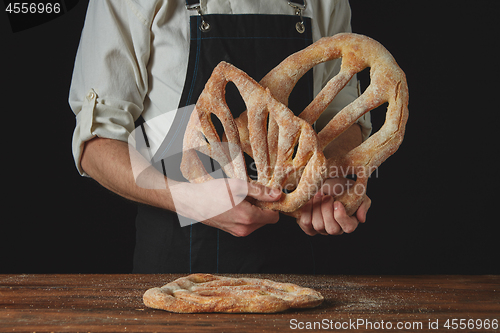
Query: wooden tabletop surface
x=113, y=303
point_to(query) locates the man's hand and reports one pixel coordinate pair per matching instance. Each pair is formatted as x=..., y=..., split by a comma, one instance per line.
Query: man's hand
x=322, y=215
x=225, y=204
x=109, y=162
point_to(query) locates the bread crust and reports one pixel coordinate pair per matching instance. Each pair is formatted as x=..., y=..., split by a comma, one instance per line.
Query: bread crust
x=212, y=293
x=287, y=152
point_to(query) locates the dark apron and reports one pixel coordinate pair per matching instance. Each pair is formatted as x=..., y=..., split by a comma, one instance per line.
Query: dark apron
x=255, y=44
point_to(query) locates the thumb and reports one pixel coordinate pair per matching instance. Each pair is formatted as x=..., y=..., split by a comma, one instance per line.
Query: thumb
x=263, y=193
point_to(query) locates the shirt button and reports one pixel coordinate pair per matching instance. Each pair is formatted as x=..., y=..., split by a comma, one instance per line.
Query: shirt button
x=91, y=95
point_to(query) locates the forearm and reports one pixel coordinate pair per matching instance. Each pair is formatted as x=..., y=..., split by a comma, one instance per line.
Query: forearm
x=109, y=163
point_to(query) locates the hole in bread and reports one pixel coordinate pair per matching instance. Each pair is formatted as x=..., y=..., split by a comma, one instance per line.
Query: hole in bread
x=251, y=167
x=212, y=166
x=205, y=138
x=378, y=116
x=363, y=79
x=288, y=188
x=295, y=149
x=234, y=100
x=352, y=177
x=219, y=128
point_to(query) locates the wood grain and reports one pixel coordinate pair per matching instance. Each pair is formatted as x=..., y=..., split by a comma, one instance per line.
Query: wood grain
x=113, y=303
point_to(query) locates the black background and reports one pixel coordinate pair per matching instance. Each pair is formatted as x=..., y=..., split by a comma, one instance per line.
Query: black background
x=434, y=202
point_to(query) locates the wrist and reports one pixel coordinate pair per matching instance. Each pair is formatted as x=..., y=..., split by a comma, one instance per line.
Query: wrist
x=179, y=197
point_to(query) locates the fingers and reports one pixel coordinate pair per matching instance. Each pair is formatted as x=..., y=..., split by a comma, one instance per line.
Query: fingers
x=244, y=226
x=317, y=217
x=346, y=222
x=363, y=210
x=226, y=204
x=243, y=219
x=322, y=215
x=305, y=220
x=262, y=193
x=254, y=219
x=332, y=227
x=263, y=216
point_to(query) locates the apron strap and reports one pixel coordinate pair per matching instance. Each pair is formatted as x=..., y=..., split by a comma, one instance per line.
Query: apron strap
x=298, y=5
x=195, y=5
x=190, y=4
x=301, y=3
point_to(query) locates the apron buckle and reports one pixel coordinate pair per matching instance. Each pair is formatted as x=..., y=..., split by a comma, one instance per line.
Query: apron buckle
x=204, y=25
x=299, y=6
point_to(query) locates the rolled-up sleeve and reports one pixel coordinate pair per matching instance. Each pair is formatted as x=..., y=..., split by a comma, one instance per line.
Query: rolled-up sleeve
x=110, y=77
x=338, y=20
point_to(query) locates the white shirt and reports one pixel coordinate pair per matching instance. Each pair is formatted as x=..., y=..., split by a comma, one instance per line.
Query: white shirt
x=133, y=57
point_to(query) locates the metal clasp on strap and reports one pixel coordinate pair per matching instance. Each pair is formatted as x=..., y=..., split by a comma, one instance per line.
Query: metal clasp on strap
x=195, y=5
x=299, y=6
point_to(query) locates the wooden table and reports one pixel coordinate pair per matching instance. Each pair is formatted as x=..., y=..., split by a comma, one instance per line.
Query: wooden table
x=105, y=303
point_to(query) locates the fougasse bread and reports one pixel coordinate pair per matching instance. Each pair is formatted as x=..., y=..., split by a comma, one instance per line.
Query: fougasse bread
x=212, y=293
x=287, y=152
